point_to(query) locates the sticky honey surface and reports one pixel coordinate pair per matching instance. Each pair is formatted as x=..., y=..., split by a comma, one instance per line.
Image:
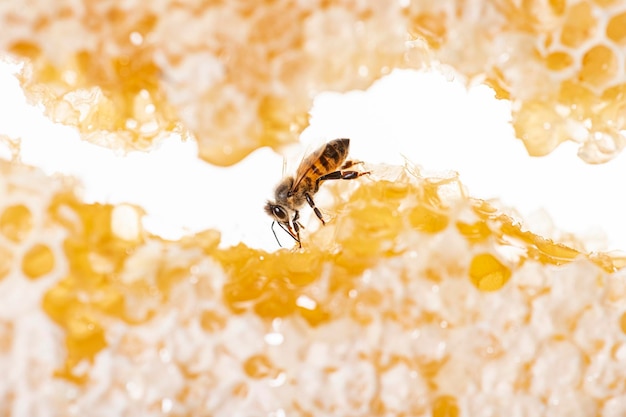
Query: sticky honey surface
x=415, y=299
x=239, y=76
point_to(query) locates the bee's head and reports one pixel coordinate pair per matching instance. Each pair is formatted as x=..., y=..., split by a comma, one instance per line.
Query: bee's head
x=281, y=216
x=278, y=212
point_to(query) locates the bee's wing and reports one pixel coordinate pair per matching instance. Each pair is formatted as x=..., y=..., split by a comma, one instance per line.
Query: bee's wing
x=306, y=165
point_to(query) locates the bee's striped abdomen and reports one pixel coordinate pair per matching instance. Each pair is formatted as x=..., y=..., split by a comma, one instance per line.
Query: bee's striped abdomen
x=334, y=155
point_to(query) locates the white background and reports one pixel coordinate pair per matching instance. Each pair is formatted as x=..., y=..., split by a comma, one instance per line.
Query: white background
x=427, y=117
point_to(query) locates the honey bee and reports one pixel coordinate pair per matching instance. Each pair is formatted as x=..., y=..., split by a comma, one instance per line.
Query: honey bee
x=326, y=163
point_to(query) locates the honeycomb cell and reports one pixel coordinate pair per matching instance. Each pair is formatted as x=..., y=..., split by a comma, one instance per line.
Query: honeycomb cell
x=260, y=366
x=476, y=232
x=539, y=126
x=377, y=221
x=299, y=269
x=580, y=25
x=599, y=66
x=428, y=220
x=59, y=299
x=279, y=301
x=616, y=29
x=315, y=315
x=445, y=406
x=38, y=261
x=16, y=222
x=487, y=273
x=240, y=390
x=212, y=321
x=622, y=322
x=558, y=61
x=555, y=252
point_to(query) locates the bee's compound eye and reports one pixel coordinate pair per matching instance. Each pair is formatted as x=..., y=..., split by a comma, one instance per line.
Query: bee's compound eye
x=279, y=213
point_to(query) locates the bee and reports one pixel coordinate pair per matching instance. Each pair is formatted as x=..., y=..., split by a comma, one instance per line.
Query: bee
x=326, y=163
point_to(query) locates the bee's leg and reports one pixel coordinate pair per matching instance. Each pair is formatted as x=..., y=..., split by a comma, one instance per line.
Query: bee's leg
x=339, y=175
x=317, y=211
x=349, y=164
x=296, y=227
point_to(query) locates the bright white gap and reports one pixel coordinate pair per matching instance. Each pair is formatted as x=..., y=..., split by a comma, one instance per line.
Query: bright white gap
x=431, y=120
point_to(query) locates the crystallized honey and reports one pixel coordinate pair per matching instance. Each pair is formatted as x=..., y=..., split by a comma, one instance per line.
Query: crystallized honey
x=410, y=297
x=125, y=74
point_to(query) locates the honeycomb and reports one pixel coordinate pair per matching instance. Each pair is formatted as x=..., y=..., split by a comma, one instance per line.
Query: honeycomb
x=561, y=63
x=238, y=76
x=415, y=300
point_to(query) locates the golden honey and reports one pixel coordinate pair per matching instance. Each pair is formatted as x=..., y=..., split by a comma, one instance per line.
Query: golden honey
x=426, y=258
x=126, y=74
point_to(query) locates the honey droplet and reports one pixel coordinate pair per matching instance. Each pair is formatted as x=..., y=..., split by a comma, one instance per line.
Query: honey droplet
x=487, y=273
x=445, y=406
x=38, y=261
x=15, y=222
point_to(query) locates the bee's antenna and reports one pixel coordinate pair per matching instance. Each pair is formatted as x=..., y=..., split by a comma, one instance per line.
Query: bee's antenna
x=276, y=237
x=282, y=226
